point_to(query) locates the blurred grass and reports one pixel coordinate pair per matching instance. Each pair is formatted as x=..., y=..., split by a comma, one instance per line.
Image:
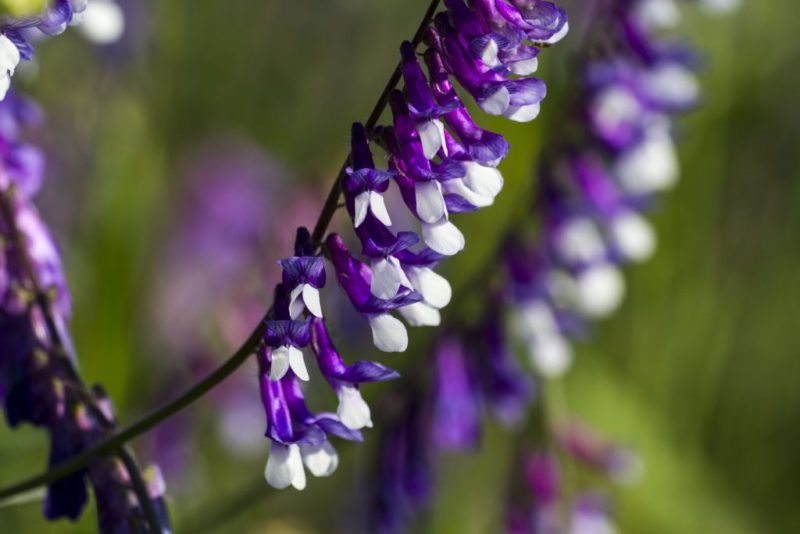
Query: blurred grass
x=699, y=371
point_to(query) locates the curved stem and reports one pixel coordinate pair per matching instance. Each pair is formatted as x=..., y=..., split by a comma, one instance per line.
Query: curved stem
x=120, y=437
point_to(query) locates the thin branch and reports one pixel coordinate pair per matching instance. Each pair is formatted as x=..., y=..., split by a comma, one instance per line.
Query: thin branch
x=120, y=437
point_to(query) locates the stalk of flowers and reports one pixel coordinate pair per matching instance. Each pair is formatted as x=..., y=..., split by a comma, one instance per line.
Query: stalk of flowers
x=595, y=188
x=39, y=384
x=593, y=192
x=442, y=163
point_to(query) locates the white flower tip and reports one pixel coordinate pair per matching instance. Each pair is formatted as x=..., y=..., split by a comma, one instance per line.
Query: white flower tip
x=431, y=135
x=421, y=314
x=443, y=237
x=496, y=103
x=321, y=460
x=435, y=288
x=387, y=277
x=651, y=166
x=311, y=300
x=599, y=290
x=378, y=207
x=297, y=363
x=279, y=363
x=353, y=411
x=522, y=113
x=430, y=201
x=486, y=181
x=551, y=356
x=633, y=236
x=362, y=202
x=285, y=467
x=296, y=305
x=388, y=333
x=103, y=22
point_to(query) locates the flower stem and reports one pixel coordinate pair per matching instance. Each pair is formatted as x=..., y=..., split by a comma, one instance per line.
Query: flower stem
x=115, y=441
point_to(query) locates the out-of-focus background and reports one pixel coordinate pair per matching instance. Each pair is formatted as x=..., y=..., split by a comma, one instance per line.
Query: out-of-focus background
x=182, y=158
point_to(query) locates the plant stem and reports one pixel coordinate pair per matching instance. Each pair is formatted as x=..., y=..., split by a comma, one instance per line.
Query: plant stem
x=120, y=437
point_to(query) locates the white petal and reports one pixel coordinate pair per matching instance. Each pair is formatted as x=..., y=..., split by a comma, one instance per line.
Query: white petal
x=378, y=207
x=672, y=82
x=9, y=55
x=489, y=55
x=280, y=362
x=435, y=288
x=599, y=290
x=103, y=22
x=387, y=277
x=651, y=166
x=353, y=411
x=443, y=237
x=633, y=236
x=311, y=300
x=296, y=304
x=321, y=459
x=458, y=187
x=297, y=363
x=421, y=314
x=486, y=181
x=361, y=208
x=430, y=201
x=285, y=467
x=579, y=240
x=497, y=103
x=551, y=355
x=431, y=134
x=388, y=333
x=560, y=35
x=526, y=67
x=523, y=113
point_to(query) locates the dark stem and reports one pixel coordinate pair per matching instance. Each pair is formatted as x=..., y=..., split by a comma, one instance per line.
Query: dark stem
x=332, y=202
x=7, y=210
x=120, y=437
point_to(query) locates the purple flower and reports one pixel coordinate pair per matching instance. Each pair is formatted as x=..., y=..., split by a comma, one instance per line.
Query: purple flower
x=345, y=380
x=286, y=338
x=303, y=277
x=456, y=411
x=364, y=185
x=388, y=333
x=298, y=437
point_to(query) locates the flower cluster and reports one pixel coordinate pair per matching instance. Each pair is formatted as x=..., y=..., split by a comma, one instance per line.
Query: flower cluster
x=595, y=188
x=442, y=163
x=38, y=381
x=593, y=191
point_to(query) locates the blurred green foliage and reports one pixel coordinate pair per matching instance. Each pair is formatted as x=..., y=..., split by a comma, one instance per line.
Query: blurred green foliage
x=699, y=372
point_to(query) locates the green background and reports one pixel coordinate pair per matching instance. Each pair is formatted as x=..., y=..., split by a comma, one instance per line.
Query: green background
x=699, y=371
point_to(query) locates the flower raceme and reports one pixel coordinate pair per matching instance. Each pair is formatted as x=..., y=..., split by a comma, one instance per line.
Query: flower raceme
x=442, y=163
x=39, y=384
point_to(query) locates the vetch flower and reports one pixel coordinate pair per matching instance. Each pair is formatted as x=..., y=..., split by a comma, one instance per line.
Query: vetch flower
x=287, y=338
x=303, y=276
x=345, y=380
x=298, y=437
x=388, y=333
